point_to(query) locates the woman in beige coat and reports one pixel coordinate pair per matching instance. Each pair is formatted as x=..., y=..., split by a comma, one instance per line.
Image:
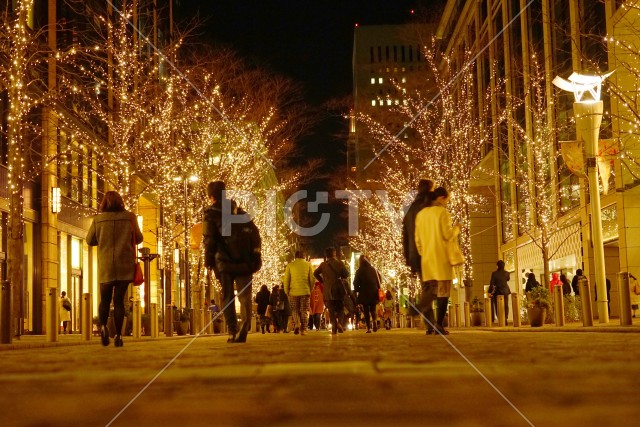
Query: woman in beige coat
x=433, y=231
x=113, y=231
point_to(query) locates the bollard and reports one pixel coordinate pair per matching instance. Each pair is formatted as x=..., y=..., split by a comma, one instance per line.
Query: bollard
x=502, y=322
x=6, y=337
x=625, y=298
x=254, y=324
x=168, y=321
x=86, y=326
x=52, y=315
x=585, y=297
x=137, y=326
x=487, y=313
x=153, y=314
x=559, y=305
x=467, y=315
x=515, y=304
x=458, y=320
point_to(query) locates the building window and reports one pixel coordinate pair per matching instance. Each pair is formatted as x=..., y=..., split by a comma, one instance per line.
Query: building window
x=373, y=80
x=388, y=102
x=380, y=80
x=371, y=55
x=373, y=102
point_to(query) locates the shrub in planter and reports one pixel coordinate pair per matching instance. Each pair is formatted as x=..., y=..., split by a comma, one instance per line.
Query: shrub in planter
x=538, y=303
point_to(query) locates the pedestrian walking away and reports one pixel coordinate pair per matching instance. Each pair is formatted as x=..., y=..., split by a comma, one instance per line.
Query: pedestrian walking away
x=65, y=312
x=422, y=199
x=433, y=234
x=389, y=305
x=232, y=249
x=317, y=305
x=498, y=285
x=116, y=233
x=298, y=282
x=366, y=283
x=330, y=273
x=575, y=284
x=262, y=302
x=531, y=283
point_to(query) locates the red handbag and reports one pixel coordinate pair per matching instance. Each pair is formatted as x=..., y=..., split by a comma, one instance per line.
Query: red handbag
x=138, y=277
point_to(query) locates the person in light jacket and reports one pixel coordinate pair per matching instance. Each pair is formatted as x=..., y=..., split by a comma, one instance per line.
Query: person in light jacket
x=298, y=281
x=114, y=231
x=433, y=233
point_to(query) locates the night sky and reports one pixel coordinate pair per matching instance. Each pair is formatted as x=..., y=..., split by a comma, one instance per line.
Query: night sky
x=311, y=42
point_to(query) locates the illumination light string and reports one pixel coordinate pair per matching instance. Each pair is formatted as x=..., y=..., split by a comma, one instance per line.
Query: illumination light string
x=190, y=83
x=436, y=96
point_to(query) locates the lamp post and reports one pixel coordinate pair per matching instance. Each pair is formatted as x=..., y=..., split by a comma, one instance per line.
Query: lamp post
x=187, y=274
x=588, y=116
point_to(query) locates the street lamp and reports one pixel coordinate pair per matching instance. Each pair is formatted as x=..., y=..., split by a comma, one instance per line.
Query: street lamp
x=187, y=278
x=588, y=115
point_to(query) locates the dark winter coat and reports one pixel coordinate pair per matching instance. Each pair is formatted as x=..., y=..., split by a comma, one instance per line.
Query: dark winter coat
x=224, y=252
x=111, y=232
x=366, y=284
x=531, y=283
x=411, y=255
x=498, y=284
x=262, y=300
x=329, y=274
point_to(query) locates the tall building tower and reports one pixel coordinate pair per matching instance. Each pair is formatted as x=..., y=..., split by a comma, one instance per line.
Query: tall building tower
x=388, y=62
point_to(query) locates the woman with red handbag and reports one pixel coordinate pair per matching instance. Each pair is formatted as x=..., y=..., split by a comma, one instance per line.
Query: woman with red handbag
x=116, y=233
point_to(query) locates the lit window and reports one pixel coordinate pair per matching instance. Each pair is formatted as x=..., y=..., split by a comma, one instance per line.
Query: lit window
x=380, y=80
x=404, y=102
x=373, y=102
x=373, y=80
x=397, y=102
x=404, y=79
x=404, y=90
x=404, y=69
x=388, y=102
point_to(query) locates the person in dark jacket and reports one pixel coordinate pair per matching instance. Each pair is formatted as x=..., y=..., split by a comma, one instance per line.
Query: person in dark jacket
x=229, y=257
x=566, y=286
x=330, y=273
x=116, y=233
x=531, y=283
x=366, y=284
x=575, y=285
x=499, y=286
x=276, y=308
x=262, y=301
x=411, y=255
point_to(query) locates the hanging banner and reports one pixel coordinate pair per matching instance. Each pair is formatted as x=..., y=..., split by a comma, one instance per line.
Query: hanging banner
x=573, y=156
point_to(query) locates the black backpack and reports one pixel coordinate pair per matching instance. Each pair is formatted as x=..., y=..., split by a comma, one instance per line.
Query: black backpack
x=240, y=252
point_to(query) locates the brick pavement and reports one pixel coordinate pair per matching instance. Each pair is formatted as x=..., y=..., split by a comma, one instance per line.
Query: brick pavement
x=475, y=378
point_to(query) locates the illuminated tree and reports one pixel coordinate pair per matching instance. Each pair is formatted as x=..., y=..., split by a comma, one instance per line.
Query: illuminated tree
x=27, y=92
x=536, y=166
x=445, y=137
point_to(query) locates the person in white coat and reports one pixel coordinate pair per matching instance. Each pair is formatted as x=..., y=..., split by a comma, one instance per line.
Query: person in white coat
x=433, y=231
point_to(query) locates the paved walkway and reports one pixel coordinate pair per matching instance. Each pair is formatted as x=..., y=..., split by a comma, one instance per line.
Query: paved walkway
x=399, y=377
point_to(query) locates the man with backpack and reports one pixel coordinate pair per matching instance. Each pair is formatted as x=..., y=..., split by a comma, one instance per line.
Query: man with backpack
x=232, y=250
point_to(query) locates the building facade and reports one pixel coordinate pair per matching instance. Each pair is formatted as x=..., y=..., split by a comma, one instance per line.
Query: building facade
x=513, y=41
